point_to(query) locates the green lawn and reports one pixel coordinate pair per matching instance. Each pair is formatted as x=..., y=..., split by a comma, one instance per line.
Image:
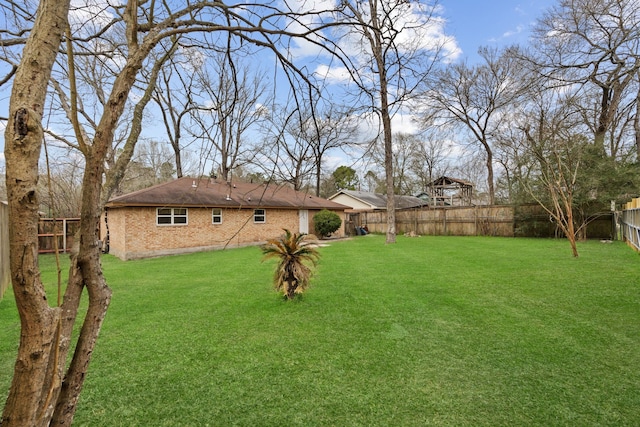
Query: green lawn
x=430, y=331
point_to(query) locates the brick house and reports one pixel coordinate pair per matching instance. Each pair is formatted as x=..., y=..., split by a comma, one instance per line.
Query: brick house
x=198, y=214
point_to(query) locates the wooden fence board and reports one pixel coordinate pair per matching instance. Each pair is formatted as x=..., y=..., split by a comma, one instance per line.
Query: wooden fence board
x=502, y=221
x=60, y=229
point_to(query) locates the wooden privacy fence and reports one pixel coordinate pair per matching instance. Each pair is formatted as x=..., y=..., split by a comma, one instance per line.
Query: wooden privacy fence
x=5, y=269
x=503, y=221
x=62, y=229
x=630, y=223
x=49, y=229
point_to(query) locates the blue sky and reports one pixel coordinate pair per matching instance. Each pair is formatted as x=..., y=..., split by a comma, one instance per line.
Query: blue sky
x=472, y=23
x=491, y=22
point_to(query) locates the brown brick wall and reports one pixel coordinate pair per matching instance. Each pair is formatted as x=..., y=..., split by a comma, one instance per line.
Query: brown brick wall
x=133, y=232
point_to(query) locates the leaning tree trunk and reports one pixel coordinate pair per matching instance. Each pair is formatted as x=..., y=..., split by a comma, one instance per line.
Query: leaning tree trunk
x=85, y=271
x=29, y=402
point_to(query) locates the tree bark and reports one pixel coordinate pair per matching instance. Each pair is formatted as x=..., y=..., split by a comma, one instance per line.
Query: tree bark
x=85, y=271
x=636, y=122
x=30, y=402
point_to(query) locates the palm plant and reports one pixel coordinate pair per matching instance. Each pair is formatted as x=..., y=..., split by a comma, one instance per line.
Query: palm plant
x=295, y=252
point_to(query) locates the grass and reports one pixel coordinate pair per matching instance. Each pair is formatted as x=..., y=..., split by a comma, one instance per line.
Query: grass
x=431, y=331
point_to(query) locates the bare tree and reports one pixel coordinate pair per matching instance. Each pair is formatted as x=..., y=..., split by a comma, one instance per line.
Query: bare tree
x=405, y=146
x=558, y=156
x=476, y=97
x=151, y=164
x=394, y=57
x=430, y=158
x=45, y=390
x=228, y=105
x=173, y=95
x=285, y=153
x=28, y=402
x=334, y=130
x=60, y=190
x=594, y=44
x=553, y=160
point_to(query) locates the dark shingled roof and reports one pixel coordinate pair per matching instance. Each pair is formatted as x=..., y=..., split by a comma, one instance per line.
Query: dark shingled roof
x=207, y=192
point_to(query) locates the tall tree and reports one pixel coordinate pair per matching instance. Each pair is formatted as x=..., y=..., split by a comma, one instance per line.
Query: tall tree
x=395, y=53
x=229, y=104
x=595, y=44
x=332, y=130
x=554, y=154
x=29, y=402
x=476, y=97
x=431, y=156
x=45, y=389
x=285, y=153
x=173, y=94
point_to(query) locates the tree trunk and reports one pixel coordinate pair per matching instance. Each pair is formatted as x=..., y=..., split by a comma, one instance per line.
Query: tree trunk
x=29, y=400
x=636, y=122
x=388, y=150
x=489, y=164
x=388, y=168
x=571, y=233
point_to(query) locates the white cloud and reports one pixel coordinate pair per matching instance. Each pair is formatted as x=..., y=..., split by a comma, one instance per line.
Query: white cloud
x=519, y=30
x=333, y=74
x=404, y=123
x=86, y=12
x=312, y=12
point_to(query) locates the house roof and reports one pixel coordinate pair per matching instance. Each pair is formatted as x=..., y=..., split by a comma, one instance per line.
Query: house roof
x=378, y=201
x=207, y=192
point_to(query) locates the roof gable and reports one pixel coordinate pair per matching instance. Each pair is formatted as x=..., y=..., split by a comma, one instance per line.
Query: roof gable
x=378, y=201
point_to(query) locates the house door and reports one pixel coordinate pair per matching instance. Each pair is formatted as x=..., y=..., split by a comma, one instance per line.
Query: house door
x=303, y=215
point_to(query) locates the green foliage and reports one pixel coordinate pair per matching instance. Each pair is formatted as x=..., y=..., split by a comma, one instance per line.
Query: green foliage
x=346, y=178
x=294, y=251
x=326, y=222
x=602, y=179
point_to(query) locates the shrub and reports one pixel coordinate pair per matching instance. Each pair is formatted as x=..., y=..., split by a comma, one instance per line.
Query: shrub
x=326, y=222
x=293, y=250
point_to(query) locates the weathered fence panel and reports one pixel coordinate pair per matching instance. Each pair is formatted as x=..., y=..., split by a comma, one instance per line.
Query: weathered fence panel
x=630, y=223
x=501, y=221
x=5, y=269
x=61, y=230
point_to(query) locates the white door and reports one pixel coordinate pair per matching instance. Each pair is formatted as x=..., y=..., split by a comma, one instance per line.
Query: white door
x=303, y=215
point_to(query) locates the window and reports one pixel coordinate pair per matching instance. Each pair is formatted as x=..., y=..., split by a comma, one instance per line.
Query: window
x=171, y=216
x=216, y=217
x=259, y=215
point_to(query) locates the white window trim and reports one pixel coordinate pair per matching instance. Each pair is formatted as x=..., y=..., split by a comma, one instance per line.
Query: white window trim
x=263, y=215
x=173, y=216
x=213, y=215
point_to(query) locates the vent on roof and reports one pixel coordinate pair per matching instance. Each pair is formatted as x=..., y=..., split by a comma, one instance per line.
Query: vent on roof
x=193, y=184
x=228, y=197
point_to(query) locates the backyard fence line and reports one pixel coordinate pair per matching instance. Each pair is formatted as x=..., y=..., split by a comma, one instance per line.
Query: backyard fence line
x=49, y=229
x=630, y=223
x=5, y=267
x=62, y=229
x=499, y=221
